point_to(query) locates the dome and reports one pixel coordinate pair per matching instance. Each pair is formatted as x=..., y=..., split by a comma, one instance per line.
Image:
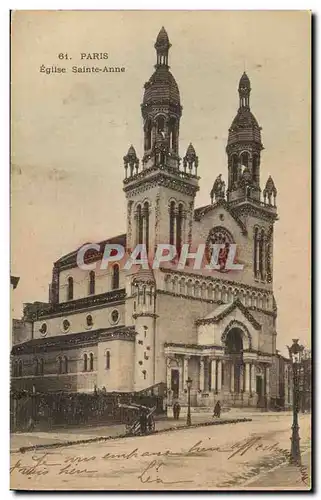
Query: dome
x=161, y=87
x=244, y=127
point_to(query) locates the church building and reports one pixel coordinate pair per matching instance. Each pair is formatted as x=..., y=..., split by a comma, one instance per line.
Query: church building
x=128, y=330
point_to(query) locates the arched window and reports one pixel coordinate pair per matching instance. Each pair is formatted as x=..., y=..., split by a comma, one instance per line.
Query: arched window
x=85, y=358
x=65, y=367
x=256, y=232
x=20, y=368
x=59, y=365
x=245, y=159
x=148, y=135
x=91, y=362
x=70, y=288
x=107, y=360
x=160, y=124
x=234, y=169
x=255, y=168
x=41, y=366
x=115, y=281
x=179, y=227
x=173, y=134
x=146, y=220
x=139, y=219
x=15, y=368
x=261, y=254
x=92, y=283
x=172, y=223
x=36, y=366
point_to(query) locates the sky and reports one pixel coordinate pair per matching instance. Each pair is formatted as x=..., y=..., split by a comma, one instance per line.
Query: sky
x=69, y=132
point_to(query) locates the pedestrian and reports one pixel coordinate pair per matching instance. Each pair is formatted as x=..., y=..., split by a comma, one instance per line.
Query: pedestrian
x=175, y=410
x=217, y=410
x=178, y=410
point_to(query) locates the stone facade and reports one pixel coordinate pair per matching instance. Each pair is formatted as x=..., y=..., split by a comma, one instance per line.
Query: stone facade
x=128, y=330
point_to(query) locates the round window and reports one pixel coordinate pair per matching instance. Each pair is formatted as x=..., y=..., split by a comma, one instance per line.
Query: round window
x=89, y=320
x=65, y=325
x=43, y=329
x=114, y=316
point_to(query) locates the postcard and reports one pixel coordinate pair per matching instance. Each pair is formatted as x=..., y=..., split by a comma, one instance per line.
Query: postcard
x=160, y=235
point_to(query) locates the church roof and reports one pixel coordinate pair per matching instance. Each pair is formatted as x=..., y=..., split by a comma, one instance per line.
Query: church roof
x=70, y=259
x=244, y=127
x=202, y=211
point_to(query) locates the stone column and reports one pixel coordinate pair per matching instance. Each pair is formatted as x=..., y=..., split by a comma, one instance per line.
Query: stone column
x=242, y=377
x=168, y=381
x=219, y=374
x=201, y=374
x=247, y=377
x=232, y=378
x=168, y=373
x=253, y=379
x=213, y=374
x=258, y=256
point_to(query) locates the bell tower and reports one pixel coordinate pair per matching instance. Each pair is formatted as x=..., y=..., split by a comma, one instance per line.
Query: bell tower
x=161, y=111
x=243, y=149
x=160, y=191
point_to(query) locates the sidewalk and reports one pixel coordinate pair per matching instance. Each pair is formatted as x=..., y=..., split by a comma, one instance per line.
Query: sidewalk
x=285, y=477
x=67, y=435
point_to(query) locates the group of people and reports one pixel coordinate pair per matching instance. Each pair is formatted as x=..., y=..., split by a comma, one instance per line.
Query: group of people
x=146, y=423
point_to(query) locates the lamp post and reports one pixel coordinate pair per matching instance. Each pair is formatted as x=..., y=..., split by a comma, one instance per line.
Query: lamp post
x=189, y=385
x=295, y=352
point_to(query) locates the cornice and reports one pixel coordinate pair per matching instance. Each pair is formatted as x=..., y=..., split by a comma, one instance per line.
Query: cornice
x=74, y=306
x=70, y=341
x=145, y=314
x=176, y=180
x=216, y=281
x=206, y=347
x=249, y=207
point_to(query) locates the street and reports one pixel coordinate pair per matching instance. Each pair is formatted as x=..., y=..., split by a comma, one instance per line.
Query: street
x=229, y=456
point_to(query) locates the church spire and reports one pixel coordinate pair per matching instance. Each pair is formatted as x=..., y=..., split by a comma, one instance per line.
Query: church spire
x=162, y=47
x=244, y=146
x=244, y=91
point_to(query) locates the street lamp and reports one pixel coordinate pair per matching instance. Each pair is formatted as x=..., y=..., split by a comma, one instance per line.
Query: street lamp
x=189, y=385
x=295, y=352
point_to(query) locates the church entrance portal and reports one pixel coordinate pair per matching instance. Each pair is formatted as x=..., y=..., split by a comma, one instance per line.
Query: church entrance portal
x=175, y=383
x=234, y=356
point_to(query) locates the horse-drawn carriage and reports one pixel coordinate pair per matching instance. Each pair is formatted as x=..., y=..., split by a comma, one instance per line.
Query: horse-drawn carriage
x=140, y=419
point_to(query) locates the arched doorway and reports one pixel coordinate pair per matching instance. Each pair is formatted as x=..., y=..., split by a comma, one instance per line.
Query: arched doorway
x=234, y=355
